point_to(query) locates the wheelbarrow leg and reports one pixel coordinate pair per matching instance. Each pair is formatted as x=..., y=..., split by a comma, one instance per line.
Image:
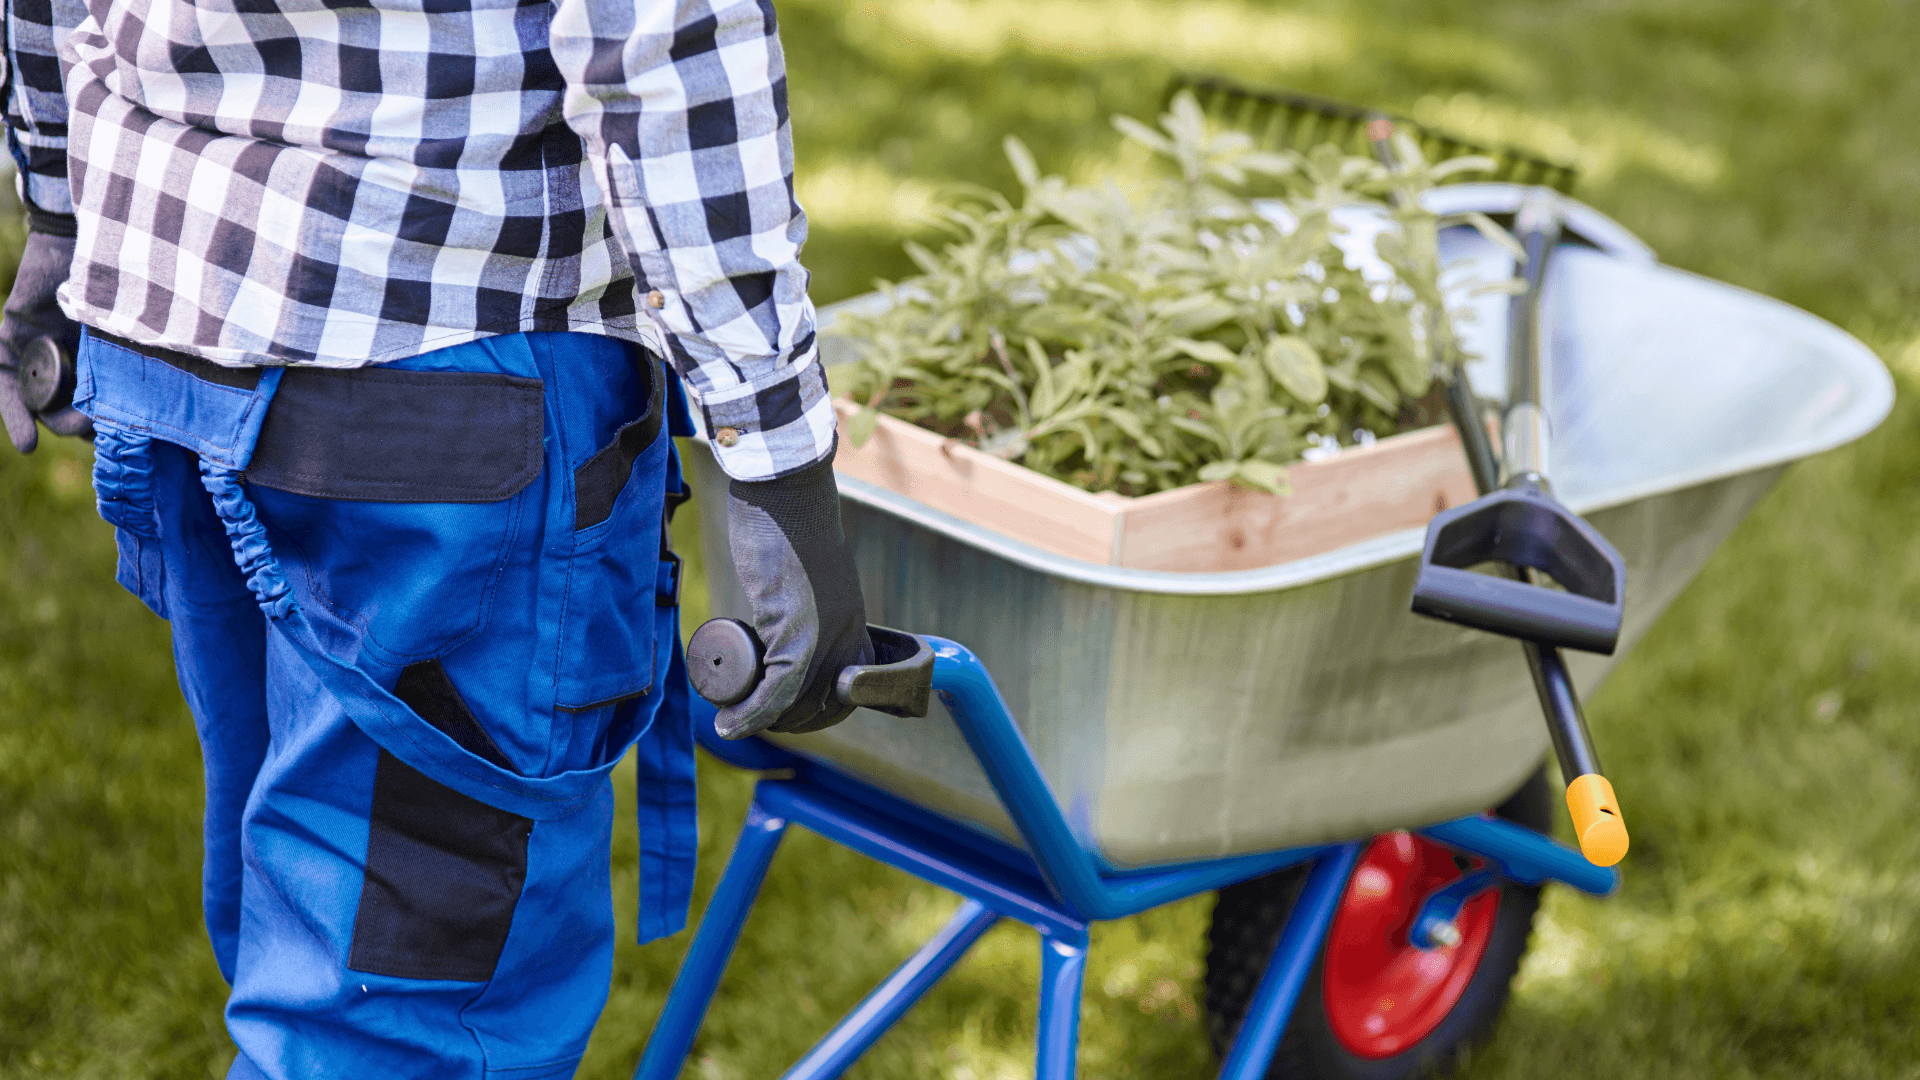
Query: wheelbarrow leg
x=891, y=999
x=1279, y=988
x=719, y=930
x=1063, y=968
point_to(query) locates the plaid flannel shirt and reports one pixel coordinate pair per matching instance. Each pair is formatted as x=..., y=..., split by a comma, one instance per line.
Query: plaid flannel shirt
x=345, y=183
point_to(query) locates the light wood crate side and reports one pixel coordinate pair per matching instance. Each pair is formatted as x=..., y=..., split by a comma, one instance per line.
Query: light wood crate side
x=1363, y=492
x=1011, y=499
x=1396, y=483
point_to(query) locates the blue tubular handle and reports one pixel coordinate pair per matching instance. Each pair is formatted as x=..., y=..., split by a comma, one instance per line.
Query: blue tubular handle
x=1524, y=855
x=985, y=722
x=889, y=1001
x=1278, y=993
x=982, y=716
x=723, y=658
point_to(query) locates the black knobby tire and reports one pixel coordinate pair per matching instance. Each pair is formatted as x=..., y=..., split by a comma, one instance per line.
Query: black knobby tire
x=1248, y=918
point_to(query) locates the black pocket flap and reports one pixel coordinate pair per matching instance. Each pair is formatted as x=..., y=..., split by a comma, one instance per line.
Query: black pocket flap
x=380, y=435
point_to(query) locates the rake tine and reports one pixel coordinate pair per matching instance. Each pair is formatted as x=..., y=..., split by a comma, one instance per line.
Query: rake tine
x=1289, y=121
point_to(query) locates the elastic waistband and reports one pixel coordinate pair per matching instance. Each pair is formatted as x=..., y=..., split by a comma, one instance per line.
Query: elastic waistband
x=214, y=411
x=243, y=378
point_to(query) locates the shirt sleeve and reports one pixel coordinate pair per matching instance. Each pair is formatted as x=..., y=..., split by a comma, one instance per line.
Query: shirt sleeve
x=682, y=105
x=36, y=98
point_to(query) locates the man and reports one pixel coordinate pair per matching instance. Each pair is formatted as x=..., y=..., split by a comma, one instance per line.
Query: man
x=377, y=296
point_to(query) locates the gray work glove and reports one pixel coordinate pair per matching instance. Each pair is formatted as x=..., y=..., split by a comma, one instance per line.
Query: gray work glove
x=32, y=313
x=797, y=571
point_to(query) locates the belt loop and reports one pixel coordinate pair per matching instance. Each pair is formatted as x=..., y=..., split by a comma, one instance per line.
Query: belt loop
x=666, y=588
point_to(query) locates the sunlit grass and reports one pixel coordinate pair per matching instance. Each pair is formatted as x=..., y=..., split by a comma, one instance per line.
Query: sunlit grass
x=1607, y=141
x=1762, y=737
x=1208, y=32
x=863, y=194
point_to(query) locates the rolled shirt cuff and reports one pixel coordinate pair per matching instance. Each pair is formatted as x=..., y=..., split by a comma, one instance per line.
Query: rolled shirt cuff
x=771, y=426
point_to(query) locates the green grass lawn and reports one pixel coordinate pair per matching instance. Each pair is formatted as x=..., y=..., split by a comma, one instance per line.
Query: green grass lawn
x=1760, y=737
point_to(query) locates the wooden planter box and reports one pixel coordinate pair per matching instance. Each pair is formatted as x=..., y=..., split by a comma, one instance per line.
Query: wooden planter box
x=1363, y=492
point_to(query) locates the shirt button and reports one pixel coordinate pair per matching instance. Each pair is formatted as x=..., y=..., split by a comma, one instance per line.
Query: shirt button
x=726, y=436
x=656, y=299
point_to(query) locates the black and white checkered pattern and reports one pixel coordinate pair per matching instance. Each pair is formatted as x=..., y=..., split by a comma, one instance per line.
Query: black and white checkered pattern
x=288, y=182
x=36, y=98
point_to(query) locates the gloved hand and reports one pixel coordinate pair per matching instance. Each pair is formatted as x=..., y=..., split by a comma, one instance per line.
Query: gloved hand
x=32, y=313
x=797, y=571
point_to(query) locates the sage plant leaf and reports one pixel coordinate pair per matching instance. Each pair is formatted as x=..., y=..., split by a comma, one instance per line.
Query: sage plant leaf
x=1296, y=366
x=860, y=426
x=1137, y=337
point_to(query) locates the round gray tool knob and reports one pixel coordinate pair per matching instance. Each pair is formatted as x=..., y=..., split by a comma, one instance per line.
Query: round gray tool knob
x=725, y=661
x=46, y=376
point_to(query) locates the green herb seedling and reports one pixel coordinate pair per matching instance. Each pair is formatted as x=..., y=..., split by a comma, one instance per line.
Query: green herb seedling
x=1184, y=333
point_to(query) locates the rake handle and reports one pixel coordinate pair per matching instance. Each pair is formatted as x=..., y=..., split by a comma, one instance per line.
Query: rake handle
x=1591, y=802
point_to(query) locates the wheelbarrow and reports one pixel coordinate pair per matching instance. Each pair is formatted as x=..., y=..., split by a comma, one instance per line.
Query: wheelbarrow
x=1102, y=740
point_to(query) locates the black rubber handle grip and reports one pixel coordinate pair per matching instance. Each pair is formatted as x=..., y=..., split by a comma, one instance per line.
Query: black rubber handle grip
x=1517, y=609
x=1526, y=528
x=726, y=661
x=47, y=376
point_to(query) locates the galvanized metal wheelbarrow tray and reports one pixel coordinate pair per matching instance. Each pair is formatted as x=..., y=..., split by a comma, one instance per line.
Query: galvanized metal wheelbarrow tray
x=1108, y=740
x=1187, y=716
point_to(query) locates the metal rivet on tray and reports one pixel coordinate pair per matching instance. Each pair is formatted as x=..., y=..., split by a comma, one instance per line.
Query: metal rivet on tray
x=656, y=299
x=726, y=436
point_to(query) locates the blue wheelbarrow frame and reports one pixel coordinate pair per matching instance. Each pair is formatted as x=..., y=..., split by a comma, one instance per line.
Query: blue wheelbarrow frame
x=1054, y=886
x=1722, y=358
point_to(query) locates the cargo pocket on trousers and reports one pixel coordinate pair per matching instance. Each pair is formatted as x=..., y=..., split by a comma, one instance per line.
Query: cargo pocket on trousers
x=444, y=871
x=123, y=484
x=613, y=578
x=432, y=463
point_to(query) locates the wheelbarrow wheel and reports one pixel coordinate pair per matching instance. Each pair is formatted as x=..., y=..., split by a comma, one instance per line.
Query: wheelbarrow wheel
x=1376, y=1007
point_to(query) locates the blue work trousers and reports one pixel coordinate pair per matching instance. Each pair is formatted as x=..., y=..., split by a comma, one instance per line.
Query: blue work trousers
x=419, y=612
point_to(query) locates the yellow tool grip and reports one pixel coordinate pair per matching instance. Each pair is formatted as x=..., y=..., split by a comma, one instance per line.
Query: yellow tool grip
x=1596, y=820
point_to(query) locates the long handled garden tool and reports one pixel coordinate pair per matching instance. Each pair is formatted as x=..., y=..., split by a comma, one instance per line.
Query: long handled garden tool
x=1523, y=527
x=1516, y=521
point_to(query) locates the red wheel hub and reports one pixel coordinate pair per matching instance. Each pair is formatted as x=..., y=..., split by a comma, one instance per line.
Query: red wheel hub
x=1383, y=994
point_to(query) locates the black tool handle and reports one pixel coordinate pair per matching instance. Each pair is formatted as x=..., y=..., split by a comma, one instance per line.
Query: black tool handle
x=726, y=661
x=1524, y=427
x=1464, y=406
x=1537, y=224
x=1517, y=609
x=1567, y=721
x=1530, y=540
x=1526, y=528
